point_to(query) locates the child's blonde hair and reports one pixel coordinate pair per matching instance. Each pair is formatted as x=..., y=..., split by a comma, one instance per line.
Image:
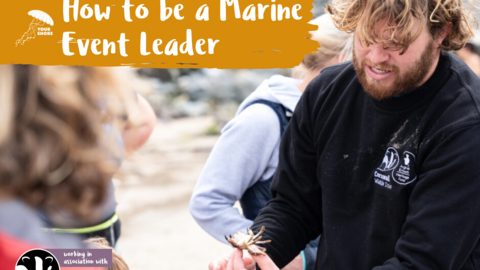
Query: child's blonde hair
x=334, y=43
x=117, y=261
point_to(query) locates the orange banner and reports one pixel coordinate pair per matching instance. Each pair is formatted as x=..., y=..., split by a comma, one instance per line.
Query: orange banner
x=157, y=33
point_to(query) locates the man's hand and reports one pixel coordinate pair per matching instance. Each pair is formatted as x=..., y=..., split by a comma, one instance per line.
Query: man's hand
x=295, y=264
x=222, y=263
x=236, y=262
x=218, y=264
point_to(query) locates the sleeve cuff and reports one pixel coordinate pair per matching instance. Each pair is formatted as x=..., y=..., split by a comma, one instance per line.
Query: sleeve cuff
x=304, y=260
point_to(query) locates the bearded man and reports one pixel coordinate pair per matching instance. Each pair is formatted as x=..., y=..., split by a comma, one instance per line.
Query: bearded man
x=381, y=157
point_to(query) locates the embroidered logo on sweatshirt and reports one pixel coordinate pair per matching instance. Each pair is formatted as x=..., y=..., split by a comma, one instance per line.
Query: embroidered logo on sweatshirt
x=401, y=171
x=390, y=160
x=405, y=173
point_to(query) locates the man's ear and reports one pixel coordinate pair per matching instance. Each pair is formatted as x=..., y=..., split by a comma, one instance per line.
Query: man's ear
x=443, y=34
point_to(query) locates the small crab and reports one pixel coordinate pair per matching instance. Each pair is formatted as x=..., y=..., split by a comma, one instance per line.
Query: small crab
x=247, y=241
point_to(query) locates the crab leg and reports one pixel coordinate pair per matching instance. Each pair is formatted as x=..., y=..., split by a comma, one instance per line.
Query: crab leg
x=231, y=241
x=262, y=249
x=263, y=242
x=259, y=233
x=252, y=241
x=253, y=252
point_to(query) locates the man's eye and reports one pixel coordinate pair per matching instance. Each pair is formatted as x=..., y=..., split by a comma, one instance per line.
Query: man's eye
x=393, y=47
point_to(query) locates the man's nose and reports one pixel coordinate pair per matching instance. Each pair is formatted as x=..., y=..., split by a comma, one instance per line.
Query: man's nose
x=378, y=54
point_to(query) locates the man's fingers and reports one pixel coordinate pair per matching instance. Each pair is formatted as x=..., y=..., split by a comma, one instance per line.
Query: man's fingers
x=249, y=262
x=215, y=265
x=218, y=264
x=234, y=262
x=264, y=262
x=238, y=260
x=230, y=260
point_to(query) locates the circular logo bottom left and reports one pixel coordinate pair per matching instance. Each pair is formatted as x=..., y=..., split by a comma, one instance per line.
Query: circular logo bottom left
x=37, y=259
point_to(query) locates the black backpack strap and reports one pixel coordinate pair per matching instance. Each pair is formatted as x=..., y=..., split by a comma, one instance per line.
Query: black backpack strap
x=283, y=113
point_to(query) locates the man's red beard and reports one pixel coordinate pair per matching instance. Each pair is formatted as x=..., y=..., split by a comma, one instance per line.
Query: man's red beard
x=411, y=79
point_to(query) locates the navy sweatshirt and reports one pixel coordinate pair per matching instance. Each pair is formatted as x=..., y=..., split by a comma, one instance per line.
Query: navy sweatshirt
x=391, y=184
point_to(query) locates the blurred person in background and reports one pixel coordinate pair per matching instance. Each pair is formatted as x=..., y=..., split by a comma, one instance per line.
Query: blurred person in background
x=245, y=157
x=129, y=137
x=470, y=55
x=57, y=154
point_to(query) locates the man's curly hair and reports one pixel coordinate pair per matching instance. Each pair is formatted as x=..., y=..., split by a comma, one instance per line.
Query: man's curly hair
x=55, y=152
x=361, y=17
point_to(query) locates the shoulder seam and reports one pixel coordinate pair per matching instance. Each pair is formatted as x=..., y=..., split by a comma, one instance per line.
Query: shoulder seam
x=450, y=130
x=469, y=90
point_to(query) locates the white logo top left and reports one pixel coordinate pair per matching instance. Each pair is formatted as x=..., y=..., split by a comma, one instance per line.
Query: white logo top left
x=40, y=18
